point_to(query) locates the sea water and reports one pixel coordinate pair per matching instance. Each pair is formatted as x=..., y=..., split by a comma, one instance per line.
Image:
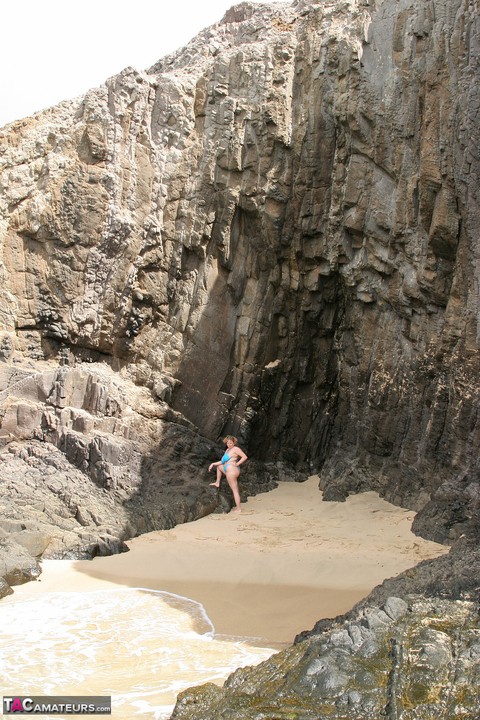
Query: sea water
x=139, y=646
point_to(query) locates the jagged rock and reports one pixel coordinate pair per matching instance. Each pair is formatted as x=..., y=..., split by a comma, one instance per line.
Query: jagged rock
x=273, y=230
x=101, y=464
x=35, y=543
x=399, y=667
x=272, y=233
x=16, y=564
x=5, y=588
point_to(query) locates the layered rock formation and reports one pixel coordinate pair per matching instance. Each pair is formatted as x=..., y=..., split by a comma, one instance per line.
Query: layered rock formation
x=272, y=232
x=275, y=229
x=409, y=660
x=91, y=459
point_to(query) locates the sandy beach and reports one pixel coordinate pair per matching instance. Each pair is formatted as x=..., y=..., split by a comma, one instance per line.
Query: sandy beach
x=270, y=572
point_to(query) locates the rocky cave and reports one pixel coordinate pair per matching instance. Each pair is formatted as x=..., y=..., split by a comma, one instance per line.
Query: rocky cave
x=273, y=232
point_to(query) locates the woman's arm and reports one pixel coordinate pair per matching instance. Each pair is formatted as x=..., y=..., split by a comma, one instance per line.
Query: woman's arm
x=240, y=454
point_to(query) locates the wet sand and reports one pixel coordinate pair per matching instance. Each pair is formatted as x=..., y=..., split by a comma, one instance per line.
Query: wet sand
x=270, y=572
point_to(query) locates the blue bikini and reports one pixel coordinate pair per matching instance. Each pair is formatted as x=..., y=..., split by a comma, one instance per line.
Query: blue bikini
x=225, y=460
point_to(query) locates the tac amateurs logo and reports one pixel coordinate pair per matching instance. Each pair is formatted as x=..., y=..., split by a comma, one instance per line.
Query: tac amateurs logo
x=15, y=704
x=65, y=705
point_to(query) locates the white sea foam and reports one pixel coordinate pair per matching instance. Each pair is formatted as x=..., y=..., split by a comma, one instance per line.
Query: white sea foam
x=140, y=646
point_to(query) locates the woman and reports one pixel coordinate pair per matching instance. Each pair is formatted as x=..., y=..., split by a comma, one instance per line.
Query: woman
x=228, y=465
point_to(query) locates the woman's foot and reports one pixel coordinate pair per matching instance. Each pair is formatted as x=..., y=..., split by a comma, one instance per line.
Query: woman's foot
x=214, y=484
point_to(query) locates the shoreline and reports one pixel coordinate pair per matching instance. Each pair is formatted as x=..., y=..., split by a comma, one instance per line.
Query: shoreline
x=268, y=573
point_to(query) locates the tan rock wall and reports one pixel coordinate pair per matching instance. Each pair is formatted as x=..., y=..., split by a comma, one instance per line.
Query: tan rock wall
x=276, y=230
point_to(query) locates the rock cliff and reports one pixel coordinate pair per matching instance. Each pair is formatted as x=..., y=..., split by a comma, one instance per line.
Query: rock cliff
x=395, y=662
x=272, y=232
x=274, y=229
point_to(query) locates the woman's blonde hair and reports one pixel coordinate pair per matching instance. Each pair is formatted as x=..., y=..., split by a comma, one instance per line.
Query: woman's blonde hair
x=230, y=437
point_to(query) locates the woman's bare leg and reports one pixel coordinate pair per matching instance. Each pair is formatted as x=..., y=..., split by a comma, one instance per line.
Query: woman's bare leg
x=219, y=477
x=232, y=479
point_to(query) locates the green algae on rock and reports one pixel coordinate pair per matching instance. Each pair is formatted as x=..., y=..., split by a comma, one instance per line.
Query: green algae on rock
x=411, y=660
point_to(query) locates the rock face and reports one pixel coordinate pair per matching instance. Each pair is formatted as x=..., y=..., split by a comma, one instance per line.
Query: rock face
x=272, y=232
x=275, y=230
x=91, y=459
x=395, y=661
